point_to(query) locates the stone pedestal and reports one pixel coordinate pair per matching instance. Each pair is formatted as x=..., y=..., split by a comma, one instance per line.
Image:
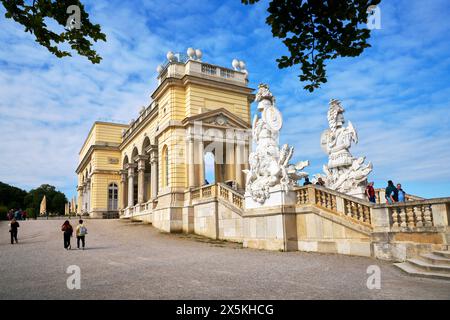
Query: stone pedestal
x=358, y=192
x=278, y=197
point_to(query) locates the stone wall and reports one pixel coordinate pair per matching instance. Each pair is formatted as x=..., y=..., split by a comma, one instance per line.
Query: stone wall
x=319, y=220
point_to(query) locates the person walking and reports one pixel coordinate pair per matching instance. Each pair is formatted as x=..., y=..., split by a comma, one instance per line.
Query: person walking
x=13, y=226
x=401, y=193
x=391, y=193
x=81, y=233
x=67, y=231
x=370, y=192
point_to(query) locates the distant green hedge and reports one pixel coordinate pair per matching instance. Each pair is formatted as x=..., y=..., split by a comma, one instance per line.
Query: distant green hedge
x=3, y=212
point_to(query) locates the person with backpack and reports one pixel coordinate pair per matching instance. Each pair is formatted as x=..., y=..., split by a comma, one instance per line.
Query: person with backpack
x=13, y=230
x=67, y=231
x=81, y=233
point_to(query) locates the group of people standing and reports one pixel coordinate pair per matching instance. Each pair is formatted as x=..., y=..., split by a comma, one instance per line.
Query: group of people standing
x=16, y=214
x=393, y=194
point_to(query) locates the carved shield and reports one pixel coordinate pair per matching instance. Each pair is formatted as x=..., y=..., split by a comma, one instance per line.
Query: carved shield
x=324, y=140
x=272, y=116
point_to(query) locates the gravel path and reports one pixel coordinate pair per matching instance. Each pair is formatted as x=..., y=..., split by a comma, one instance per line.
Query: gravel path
x=125, y=260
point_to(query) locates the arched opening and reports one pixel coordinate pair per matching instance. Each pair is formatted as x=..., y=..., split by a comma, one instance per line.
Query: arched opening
x=147, y=171
x=213, y=163
x=210, y=170
x=165, y=167
x=113, y=196
x=134, y=154
x=124, y=192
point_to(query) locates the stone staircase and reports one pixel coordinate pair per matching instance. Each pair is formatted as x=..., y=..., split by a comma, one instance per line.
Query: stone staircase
x=435, y=264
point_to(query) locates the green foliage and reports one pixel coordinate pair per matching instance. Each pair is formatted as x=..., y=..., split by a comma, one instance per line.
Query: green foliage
x=11, y=197
x=3, y=212
x=34, y=18
x=31, y=213
x=15, y=198
x=55, y=199
x=315, y=31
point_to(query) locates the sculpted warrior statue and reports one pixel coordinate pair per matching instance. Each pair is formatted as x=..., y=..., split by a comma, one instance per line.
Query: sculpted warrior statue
x=269, y=165
x=343, y=172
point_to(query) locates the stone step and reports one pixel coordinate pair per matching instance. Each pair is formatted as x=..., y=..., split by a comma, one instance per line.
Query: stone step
x=415, y=272
x=420, y=264
x=435, y=259
x=445, y=254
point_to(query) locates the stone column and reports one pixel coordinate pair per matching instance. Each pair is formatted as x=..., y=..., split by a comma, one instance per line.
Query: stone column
x=154, y=173
x=88, y=195
x=201, y=164
x=123, y=192
x=141, y=178
x=238, y=164
x=131, y=167
x=191, y=163
x=230, y=161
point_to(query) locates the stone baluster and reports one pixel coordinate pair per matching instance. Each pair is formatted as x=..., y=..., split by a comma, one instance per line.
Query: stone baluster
x=360, y=212
x=366, y=210
x=333, y=203
x=418, y=216
x=427, y=216
x=326, y=200
x=402, y=215
x=410, y=216
x=348, y=208
x=394, y=215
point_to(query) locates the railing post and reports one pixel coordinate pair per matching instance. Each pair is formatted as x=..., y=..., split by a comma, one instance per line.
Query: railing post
x=312, y=195
x=340, y=206
x=440, y=213
x=380, y=219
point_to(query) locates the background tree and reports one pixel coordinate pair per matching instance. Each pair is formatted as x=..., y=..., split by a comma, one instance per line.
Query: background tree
x=34, y=15
x=318, y=30
x=11, y=197
x=55, y=199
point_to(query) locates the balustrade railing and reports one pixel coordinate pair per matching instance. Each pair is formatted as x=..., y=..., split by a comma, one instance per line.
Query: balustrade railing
x=422, y=215
x=349, y=207
x=221, y=191
x=357, y=211
x=302, y=196
x=406, y=216
x=326, y=200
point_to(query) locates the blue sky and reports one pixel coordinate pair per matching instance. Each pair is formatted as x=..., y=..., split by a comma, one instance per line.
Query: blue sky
x=397, y=93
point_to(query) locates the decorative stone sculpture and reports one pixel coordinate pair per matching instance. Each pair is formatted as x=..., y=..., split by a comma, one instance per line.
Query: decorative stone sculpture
x=269, y=165
x=343, y=173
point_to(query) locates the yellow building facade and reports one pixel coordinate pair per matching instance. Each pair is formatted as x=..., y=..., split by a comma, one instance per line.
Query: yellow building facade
x=146, y=169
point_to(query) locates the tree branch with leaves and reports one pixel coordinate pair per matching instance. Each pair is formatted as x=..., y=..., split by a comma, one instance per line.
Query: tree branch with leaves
x=79, y=36
x=315, y=31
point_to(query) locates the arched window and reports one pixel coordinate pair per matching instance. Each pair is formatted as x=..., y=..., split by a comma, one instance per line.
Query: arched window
x=210, y=168
x=165, y=166
x=113, y=195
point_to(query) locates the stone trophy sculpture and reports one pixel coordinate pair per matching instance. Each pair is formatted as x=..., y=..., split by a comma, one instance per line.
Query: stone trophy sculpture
x=269, y=165
x=343, y=173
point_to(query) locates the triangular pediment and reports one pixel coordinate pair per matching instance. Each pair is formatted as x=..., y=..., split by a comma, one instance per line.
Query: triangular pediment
x=220, y=118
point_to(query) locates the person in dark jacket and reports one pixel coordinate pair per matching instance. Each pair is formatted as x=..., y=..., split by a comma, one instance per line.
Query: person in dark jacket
x=307, y=182
x=67, y=231
x=13, y=230
x=391, y=193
